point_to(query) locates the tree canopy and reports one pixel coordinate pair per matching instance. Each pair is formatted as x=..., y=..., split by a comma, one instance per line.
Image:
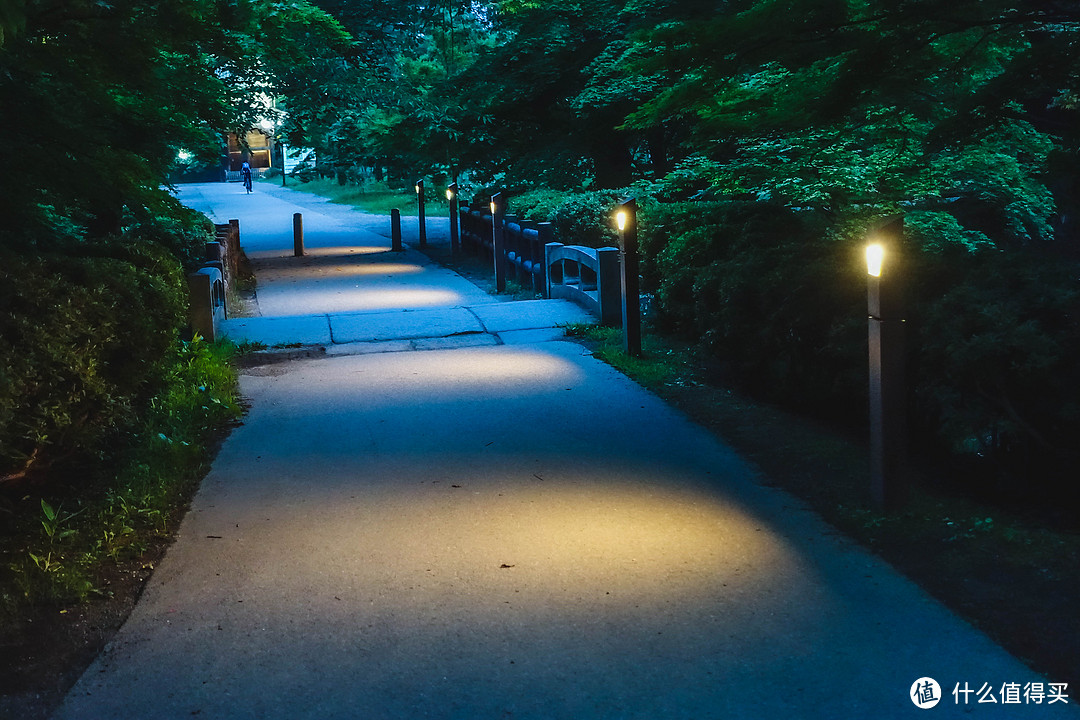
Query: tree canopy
x=96, y=98
x=957, y=114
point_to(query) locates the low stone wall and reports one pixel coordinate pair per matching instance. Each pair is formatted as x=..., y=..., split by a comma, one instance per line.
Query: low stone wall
x=208, y=286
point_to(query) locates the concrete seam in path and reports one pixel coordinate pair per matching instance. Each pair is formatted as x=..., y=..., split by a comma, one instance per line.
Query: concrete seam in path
x=479, y=320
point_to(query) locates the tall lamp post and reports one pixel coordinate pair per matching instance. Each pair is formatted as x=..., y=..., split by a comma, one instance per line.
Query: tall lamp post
x=420, y=210
x=888, y=397
x=282, y=146
x=451, y=196
x=626, y=219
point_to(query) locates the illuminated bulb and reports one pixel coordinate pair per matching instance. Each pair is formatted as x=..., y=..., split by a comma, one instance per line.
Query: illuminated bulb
x=449, y=194
x=492, y=207
x=620, y=219
x=417, y=189
x=875, y=256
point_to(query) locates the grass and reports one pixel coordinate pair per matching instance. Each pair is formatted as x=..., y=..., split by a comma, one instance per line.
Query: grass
x=372, y=197
x=517, y=291
x=56, y=547
x=1006, y=571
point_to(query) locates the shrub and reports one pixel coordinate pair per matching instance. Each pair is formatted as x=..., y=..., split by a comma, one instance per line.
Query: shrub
x=779, y=308
x=83, y=345
x=180, y=230
x=55, y=554
x=777, y=298
x=577, y=218
x=995, y=362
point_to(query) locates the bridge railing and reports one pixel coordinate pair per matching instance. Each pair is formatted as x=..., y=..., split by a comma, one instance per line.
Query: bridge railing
x=525, y=243
x=206, y=297
x=475, y=221
x=587, y=276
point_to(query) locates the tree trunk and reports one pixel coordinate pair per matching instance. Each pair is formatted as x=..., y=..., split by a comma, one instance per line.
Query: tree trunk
x=612, y=160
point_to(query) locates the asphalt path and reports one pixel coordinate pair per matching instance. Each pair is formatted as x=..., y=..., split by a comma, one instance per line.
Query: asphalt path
x=515, y=531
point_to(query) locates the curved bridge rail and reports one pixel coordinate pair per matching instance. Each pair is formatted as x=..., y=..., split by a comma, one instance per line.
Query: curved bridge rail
x=586, y=276
x=583, y=275
x=206, y=292
x=525, y=243
x=476, y=229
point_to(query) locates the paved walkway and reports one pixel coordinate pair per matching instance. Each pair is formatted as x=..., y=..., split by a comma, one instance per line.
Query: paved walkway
x=512, y=531
x=351, y=293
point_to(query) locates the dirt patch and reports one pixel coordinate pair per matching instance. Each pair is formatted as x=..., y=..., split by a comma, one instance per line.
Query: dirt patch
x=43, y=653
x=46, y=649
x=255, y=363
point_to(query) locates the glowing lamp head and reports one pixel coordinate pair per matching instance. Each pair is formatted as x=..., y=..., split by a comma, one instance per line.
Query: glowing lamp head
x=449, y=194
x=418, y=189
x=492, y=206
x=620, y=219
x=875, y=257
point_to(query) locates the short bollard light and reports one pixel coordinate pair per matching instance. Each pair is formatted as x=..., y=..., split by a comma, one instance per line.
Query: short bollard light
x=451, y=197
x=422, y=237
x=888, y=415
x=626, y=220
x=498, y=212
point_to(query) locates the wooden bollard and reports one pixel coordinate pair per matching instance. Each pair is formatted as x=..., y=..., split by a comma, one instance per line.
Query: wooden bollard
x=395, y=230
x=298, y=234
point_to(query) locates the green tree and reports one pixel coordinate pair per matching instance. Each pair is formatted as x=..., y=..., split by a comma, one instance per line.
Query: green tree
x=96, y=98
x=844, y=106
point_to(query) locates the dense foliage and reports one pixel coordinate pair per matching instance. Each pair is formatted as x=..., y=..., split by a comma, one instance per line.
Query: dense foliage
x=105, y=413
x=763, y=139
x=54, y=550
x=96, y=101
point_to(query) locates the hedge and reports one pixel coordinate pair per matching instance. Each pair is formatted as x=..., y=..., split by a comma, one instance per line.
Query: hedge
x=85, y=337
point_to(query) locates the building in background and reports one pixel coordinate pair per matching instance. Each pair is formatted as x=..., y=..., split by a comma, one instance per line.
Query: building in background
x=256, y=149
